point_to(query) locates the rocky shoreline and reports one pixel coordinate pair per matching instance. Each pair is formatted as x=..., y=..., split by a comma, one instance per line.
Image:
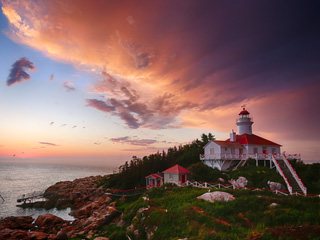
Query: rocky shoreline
x=91, y=207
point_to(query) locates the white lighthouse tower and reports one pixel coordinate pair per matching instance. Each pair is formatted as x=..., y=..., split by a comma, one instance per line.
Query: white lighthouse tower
x=244, y=122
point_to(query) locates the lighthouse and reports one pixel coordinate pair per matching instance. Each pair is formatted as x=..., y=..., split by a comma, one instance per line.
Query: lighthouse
x=244, y=123
x=235, y=151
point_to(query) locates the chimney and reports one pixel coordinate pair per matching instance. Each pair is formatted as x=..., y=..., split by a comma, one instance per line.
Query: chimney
x=232, y=136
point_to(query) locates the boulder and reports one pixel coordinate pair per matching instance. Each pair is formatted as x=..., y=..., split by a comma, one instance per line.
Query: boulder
x=38, y=235
x=221, y=180
x=49, y=220
x=22, y=223
x=13, y=234
x=276, y=186
x=216, y=196
x=272, y=205
x=61, y=235
x=240, y=182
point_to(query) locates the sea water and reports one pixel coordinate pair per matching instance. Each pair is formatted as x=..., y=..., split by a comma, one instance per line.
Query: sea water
x=17, y=179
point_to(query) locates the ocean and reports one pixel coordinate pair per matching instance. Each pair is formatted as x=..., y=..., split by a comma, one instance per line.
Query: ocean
x=17, y=179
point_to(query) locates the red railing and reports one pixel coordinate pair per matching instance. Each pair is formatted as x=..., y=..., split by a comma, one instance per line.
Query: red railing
x=295, y=175
x=282, y=173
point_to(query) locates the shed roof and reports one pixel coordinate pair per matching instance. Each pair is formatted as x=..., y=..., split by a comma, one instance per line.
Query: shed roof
x=176, y=169
x=155, y=175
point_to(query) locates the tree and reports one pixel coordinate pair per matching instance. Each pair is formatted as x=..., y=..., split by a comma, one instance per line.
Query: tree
x=211, y=137
x=204, y=138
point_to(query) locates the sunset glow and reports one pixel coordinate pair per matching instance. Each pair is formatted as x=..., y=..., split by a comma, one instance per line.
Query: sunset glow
x=96, y=82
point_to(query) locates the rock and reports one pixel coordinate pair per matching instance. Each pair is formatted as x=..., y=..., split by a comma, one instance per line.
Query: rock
x=221, y=180
x=22, y=223
x=101, y=238
x=50, y=222
x=276, y=186
x=216, y=196
x=272, y=205
x=145, y=198
x=38, y=235
x=136, y=233
x=61, y=235
x=13, y=234
x=150, y=232
x=240, y=182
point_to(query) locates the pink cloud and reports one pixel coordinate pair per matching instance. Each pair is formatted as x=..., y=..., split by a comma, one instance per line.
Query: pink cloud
x=133, y=141
x=18, y=72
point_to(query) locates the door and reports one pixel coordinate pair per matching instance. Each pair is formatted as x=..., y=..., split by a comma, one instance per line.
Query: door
x=183, y=178
x=264, y=150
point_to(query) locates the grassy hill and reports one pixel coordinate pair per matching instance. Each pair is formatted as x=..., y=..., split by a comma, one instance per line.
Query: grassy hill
x=132, y=174
x=176, y=213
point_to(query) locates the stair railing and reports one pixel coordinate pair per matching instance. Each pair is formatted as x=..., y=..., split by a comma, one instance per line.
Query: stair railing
x=295, y=175
x=281, y=173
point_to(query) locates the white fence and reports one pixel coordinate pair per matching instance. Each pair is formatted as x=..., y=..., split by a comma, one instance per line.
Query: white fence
x=230, y=186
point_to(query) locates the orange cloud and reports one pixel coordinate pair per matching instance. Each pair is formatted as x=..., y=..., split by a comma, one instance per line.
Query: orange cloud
x=167, y=65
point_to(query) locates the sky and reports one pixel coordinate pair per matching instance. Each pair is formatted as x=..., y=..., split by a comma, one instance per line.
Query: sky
x=97, y=82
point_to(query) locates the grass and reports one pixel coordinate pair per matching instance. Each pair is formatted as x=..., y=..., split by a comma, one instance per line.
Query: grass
x=175, y=212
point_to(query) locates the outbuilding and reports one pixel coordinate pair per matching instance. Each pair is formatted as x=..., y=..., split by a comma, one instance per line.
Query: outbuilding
x=176, y=174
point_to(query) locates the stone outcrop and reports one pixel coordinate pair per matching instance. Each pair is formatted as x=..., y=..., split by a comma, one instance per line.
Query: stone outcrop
x=276, y=186
x=23, y=223
x=216, y=196
x=240, y=182
x=92, y=209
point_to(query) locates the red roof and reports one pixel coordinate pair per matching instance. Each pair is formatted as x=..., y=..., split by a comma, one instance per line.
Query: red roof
x=176, y=169
x=228, y=144
x=253, y=139
x=155, y=175
x=244, y=111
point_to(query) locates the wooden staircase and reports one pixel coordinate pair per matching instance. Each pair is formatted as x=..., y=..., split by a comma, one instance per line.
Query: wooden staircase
x=293, y=182
x=291, y=178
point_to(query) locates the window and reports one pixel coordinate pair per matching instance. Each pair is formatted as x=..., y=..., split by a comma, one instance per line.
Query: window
x=211, y=150
x=240, y=151
x=170, y=175
x=255, y=150
x=226, y=149
x=273, y=150
x=233, y=151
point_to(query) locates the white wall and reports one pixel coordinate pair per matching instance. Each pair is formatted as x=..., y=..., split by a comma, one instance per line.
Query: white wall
x=260, y=148
x=174, y=177
x=213, y=145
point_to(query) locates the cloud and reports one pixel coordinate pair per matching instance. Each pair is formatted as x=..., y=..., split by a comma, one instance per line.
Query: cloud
x=136, y=111
x=68, y=85
x=63, y=125
x=130, y=20
x=165, y=70
x=133, y=141
x=18, y=72
x=74, y=126
x=49, y=144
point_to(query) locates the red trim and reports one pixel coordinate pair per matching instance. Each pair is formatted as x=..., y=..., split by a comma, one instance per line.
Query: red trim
x=177, y=169
x=244, y=112
x=253, y=139
x=294, y=170
x=282, y=171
